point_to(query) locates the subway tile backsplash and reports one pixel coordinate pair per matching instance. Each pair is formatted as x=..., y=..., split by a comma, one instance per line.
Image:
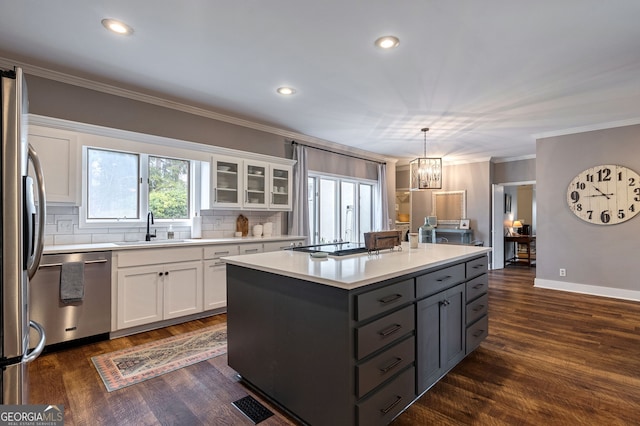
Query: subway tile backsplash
x=62, y=228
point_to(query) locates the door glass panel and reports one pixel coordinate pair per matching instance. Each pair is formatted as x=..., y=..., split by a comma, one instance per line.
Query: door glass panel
x=365, y=209
x=328, y=226
x=280, y=185
x=226, y=182
x=256, y=184
x=347, y=212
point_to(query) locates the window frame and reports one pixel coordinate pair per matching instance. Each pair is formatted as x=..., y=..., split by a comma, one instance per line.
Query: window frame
x=143, y=152
x=316, y=199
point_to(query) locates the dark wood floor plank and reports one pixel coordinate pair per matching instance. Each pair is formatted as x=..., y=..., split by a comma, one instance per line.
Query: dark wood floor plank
x=551, y=357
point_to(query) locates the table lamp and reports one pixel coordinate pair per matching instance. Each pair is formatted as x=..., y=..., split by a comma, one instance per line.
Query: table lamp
x=516, y=226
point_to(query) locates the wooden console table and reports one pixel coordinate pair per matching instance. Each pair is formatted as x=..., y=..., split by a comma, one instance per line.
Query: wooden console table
x=526, y=240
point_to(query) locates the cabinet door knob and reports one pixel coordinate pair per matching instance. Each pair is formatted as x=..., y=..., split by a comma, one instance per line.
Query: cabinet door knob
x=160, y=273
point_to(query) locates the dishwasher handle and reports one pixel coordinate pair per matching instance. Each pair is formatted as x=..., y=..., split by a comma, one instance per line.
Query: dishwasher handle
x=86, y=262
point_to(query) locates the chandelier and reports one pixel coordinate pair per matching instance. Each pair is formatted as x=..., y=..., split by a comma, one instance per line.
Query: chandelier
x=425, y=173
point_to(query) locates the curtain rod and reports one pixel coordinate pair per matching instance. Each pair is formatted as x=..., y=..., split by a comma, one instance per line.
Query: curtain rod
x=338, y=153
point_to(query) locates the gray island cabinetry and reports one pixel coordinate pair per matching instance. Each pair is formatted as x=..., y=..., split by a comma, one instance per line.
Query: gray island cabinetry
x=354, y=340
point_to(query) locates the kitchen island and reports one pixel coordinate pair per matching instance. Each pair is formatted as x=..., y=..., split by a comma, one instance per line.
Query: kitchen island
x=354, y=340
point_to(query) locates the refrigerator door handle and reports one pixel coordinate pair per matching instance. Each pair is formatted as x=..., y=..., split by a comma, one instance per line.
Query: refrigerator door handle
x=34, y=261
x=35, y=353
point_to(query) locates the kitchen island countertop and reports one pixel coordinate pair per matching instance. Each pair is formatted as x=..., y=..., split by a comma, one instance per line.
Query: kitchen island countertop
x=350, y=272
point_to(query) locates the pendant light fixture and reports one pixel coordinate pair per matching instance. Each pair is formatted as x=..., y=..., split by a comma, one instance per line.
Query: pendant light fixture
x=425, y=173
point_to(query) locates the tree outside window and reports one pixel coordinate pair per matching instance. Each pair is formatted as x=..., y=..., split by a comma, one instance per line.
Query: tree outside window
x=168, y=188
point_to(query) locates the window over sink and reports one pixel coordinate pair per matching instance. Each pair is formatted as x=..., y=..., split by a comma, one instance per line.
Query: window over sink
x=121, y=187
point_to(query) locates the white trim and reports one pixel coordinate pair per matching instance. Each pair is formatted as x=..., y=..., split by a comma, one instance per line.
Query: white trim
x=589, y=128
x=154, y=100
x=616, y=293
x=509, y=159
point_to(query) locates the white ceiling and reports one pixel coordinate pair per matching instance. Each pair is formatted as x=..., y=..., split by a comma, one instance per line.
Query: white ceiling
x=487, y=76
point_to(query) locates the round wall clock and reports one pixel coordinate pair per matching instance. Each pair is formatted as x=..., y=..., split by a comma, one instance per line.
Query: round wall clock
x=605, y=195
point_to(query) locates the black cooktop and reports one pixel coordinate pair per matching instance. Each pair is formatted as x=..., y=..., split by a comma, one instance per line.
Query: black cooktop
x=333, y=249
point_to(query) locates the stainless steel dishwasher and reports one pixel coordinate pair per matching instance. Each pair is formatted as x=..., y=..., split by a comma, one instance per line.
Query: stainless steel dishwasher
x=69, y=321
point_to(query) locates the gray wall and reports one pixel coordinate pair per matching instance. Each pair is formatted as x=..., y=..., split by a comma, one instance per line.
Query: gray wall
x=514, y=171
x=54, y=99
x=592, y=254
x=475, y=179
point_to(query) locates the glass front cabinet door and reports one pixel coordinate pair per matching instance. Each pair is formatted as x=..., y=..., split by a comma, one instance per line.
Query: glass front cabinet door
x=281, y=184
x=256, y=184
x=226, y=181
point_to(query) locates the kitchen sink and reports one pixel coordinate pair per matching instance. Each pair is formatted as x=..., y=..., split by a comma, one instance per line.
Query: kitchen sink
x=142, y=242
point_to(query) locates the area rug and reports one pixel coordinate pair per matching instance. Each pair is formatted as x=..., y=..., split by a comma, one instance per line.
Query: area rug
x=129, y=366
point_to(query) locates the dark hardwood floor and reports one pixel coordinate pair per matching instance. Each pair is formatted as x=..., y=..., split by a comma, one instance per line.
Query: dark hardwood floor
x=552, y=358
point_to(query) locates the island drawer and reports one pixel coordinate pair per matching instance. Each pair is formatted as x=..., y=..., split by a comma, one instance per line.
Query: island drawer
x=476, y=333
x=384, y=331
x=378, y=301
x=385, y=404
x=433, y=282
x=477, y=266
x=477, y=287
x=385, y=365
x=216, y=252
x=477, y=308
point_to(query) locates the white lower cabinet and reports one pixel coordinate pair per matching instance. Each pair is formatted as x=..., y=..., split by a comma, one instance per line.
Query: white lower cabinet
x=159, y=284
x=154, y=293
x=215, y=275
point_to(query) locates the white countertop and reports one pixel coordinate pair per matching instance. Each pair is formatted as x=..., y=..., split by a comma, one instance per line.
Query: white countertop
x=350, y=272
x=75, y=248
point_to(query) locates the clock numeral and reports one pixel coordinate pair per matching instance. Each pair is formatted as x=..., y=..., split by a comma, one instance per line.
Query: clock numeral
x=621, y=214
x=632, y=208
x=604, y=175
x=580, y=185
x=632, y=181
x=605, y=217
x=637, y=192
x=590, y=214
x=589, y=177
x=579, y=207
x=575, y=196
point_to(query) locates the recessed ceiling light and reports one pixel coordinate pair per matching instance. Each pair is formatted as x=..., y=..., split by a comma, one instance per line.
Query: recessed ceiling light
x=286, y=90
x=117, y=27
x=387, y=42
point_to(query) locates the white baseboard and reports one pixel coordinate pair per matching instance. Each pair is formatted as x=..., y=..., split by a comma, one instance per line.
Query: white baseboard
x=616, y=293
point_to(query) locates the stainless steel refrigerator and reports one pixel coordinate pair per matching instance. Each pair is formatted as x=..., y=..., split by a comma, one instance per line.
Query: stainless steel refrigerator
x=22, y=239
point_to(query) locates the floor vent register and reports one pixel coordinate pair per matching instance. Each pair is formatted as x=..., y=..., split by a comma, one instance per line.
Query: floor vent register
x=251, y=408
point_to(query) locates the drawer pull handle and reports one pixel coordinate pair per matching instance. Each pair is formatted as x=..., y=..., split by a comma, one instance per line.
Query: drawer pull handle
x=477, y=286
x=478, y=308
x=251, y=250
x=445, y=303
x=390, y=330
x=478, y=333
x=477, y=266
x=393, y=404
x=390, y=298
x=444, y=278
x=221, y=252
x=394, y=364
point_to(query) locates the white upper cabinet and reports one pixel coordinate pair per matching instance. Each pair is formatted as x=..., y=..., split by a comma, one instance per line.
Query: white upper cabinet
x=256, y=186
x=227, y=189
x=281, y=185
x=60, y=158
x=250, y=184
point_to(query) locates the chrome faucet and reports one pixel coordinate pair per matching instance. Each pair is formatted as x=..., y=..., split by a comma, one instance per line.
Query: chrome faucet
x=148, y=236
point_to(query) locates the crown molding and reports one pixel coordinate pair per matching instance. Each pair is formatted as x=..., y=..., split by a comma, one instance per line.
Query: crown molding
x=154, y=100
